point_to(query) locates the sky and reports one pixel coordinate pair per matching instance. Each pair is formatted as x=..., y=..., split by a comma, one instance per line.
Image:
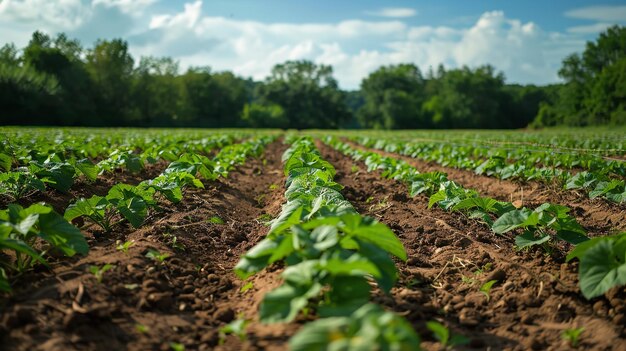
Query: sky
x=526, y=40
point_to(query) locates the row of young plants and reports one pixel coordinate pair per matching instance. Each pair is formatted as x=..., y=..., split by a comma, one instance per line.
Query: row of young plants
x=28, y=235
x=26, y=171
x=601, y=141
x=598, y=183
x=331, y=256
x=602, y=260
x=132, y=203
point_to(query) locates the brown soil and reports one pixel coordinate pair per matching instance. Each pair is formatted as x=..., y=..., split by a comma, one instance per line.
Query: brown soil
x=84, y=188
x=598, y=216
x=535, y=299
x=144, y=305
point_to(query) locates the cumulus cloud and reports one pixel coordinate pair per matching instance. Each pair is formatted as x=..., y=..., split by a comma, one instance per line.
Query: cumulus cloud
x=354, y=47
x=394, y=12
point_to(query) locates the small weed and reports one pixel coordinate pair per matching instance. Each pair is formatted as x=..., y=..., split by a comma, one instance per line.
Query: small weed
x=215, y=220
x=572, y=335
x=485, y=268
x=172, y=241
x=141, y=328
x=176, y=346
x=125, y=246
x=468, y=280
x=236, y=327
x=273, y=186
x=157, y=256
x=354, y=169
x=486, y=288
x=259, y=199
x=264, y=218
x=442, y=334
x=369, y=199
x=98, y=272
x=246, y=287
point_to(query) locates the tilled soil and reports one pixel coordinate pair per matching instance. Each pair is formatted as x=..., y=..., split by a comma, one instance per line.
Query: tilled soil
x=600, y=217
x=536, y=296
x=146, y=305
x=142, y=304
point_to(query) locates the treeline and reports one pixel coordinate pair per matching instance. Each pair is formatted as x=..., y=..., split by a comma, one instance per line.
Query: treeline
x=594, y=92
x=56, y=81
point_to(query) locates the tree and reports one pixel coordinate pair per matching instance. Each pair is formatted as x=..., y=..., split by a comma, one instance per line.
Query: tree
x=307, y=93
x=393, y=98
x=593, y=92
x=468, y=98
x=260, y=116
x=156, y=92
x=111, y=68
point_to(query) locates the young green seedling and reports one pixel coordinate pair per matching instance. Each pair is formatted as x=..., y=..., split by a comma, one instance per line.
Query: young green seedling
x=98, y=272
x=572, y=335
x=125, y=246
x=442, y=334
x=236, y=327
x=486, y=288
x=157, y=256
x=215, y=220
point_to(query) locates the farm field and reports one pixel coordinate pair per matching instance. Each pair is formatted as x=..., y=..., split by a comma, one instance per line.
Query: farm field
x=203, y=239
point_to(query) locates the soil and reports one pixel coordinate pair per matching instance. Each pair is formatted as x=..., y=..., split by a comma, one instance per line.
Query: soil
x=536, y=296
x=598, y=216
x=142, y=304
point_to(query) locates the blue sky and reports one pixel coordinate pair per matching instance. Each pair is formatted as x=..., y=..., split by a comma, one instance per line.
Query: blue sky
x=526, y=40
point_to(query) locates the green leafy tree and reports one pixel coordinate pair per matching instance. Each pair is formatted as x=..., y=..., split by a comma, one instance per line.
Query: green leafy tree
x=393, y=96
x=308, y=93
x=111, y=67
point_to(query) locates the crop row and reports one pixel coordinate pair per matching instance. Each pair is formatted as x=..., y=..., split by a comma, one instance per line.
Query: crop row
x=331, y=254
x=22, y=229
x=602, y=260
x=598, y=183
x=30, y=170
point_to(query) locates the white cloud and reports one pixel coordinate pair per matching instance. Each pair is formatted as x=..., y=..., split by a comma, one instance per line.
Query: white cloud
x=599, y=13
x=394, y=12
x=64, y=14
x=589, y=29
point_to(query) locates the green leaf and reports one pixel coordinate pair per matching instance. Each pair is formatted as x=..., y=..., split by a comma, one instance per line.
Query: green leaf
x=4, y=281
x=86, y=167
x=441, y=333
x=5, y=162
x=134, y=210
x=61, y=234
x=20, y=246
x=529, y=239
x=601, y=267
x=283, y=303
x=368, y=229
x=515, y=219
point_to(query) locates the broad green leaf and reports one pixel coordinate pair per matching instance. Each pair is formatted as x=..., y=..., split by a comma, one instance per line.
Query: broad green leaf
x=86, y=167
x=283, y=303
x=368, y=229
x=601, y=268
x=515, y=219
x=134, y=210
x=61, y=234
x=20, y=246
x=5, y=162
x=529, y=239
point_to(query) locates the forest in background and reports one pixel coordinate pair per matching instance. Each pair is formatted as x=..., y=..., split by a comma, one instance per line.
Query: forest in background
x=57, y=81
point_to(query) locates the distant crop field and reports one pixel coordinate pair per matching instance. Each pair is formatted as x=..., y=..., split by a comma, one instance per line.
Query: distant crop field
x=205, y=239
